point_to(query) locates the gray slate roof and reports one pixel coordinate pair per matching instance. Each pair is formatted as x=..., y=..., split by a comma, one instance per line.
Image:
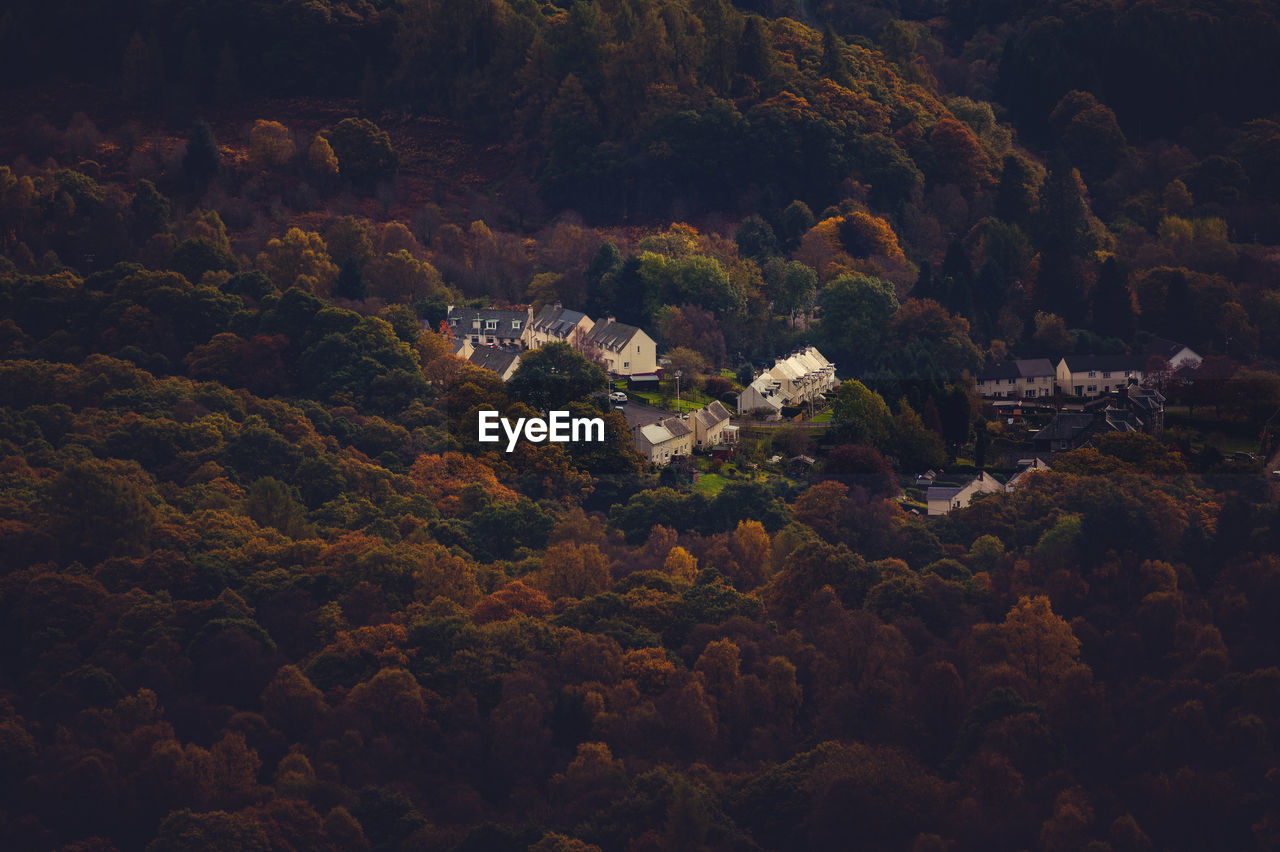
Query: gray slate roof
x=496, y=358
x=1105, y=363
x=556, y=320
x=611, y=335
x=1025, y=368
x=510, y=323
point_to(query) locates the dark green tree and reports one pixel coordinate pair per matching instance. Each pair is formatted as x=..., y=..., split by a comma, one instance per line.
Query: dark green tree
x=755, y=53
x=552, y=376
x=200, y=162
x=365, y=155
x=833, y=64
x=755, y=239
x=150, y=210
x=1113, y=313
x=604, y=264
x=1016, y=195
x=351, y=283
x=856, y=310
x=797, y=219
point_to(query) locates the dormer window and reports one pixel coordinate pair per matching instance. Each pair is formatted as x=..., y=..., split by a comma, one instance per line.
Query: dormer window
x=490, y=325
x=515, y=325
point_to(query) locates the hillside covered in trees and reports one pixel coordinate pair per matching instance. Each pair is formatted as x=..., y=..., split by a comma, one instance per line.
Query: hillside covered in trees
x=262, y=588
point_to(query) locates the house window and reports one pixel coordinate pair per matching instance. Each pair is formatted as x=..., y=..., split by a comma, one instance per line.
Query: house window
x=515, y=325
x=1106, y=375
x=490, y=325
x=1093, y=374
x=453, y=321
x=1031, y=391
x=626, y=364
x=637, y=348
x=1092, y=389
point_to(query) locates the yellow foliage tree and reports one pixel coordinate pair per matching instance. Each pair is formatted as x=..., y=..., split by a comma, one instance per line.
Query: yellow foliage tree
x=1035, y=642
x=681, y=564
x=575, y=571
x=299, y=259
x=320, y=158
x=271, y=143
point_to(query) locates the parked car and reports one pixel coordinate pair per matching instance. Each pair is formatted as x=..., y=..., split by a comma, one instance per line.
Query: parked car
x=618, y=396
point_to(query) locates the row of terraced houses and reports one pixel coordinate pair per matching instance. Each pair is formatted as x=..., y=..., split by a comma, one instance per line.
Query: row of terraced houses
x=1081, y=375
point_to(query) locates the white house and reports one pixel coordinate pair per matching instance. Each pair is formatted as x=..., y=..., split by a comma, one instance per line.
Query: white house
x=762, y=393
x=1175, y=354
x=943, y=499
x=799, y=377
x=663, y=441
x=624, y=350
x=710, y=425
x=1025, y=378
x=1091, y=375
x=1030, y=467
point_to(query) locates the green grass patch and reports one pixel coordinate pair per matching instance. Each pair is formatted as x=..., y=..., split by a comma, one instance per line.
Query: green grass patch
x=710, y=484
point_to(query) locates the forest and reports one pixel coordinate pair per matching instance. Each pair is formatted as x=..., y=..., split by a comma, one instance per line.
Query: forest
x=263, y=588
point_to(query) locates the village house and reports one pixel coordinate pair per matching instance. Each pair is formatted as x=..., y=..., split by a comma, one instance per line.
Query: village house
x=488, y=326
x=460, y=347
x=503, y=360
x=1093, y=375
x=801, y=376
x=761, y=394
x=1176, y=355
x=1132, y=409
x=711, y=426
x=555, y=323
x=1024, y=378
x=623, y=350
x=664, y=441
x=1029, y=468
x=944, y=498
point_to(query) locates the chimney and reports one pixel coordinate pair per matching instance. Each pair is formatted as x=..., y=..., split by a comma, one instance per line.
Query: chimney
x=610, y=319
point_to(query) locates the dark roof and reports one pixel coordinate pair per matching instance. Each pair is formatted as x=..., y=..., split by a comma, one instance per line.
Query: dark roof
x=1148, y=398
x=1065, y=427
x=496, y=358
x=1026, y=368
x=637, y=414
x=1105, y=363
x=510, y=323
x=611, y=335
x=1002, y=370
x=1035, y=367
x=556, y=321
x=943, y=492
x=677, y=427
x=1162, y=348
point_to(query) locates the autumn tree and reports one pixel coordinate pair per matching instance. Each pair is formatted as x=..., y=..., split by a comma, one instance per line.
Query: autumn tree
x=364, y=152
x=271, y=143
x=554, y=375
